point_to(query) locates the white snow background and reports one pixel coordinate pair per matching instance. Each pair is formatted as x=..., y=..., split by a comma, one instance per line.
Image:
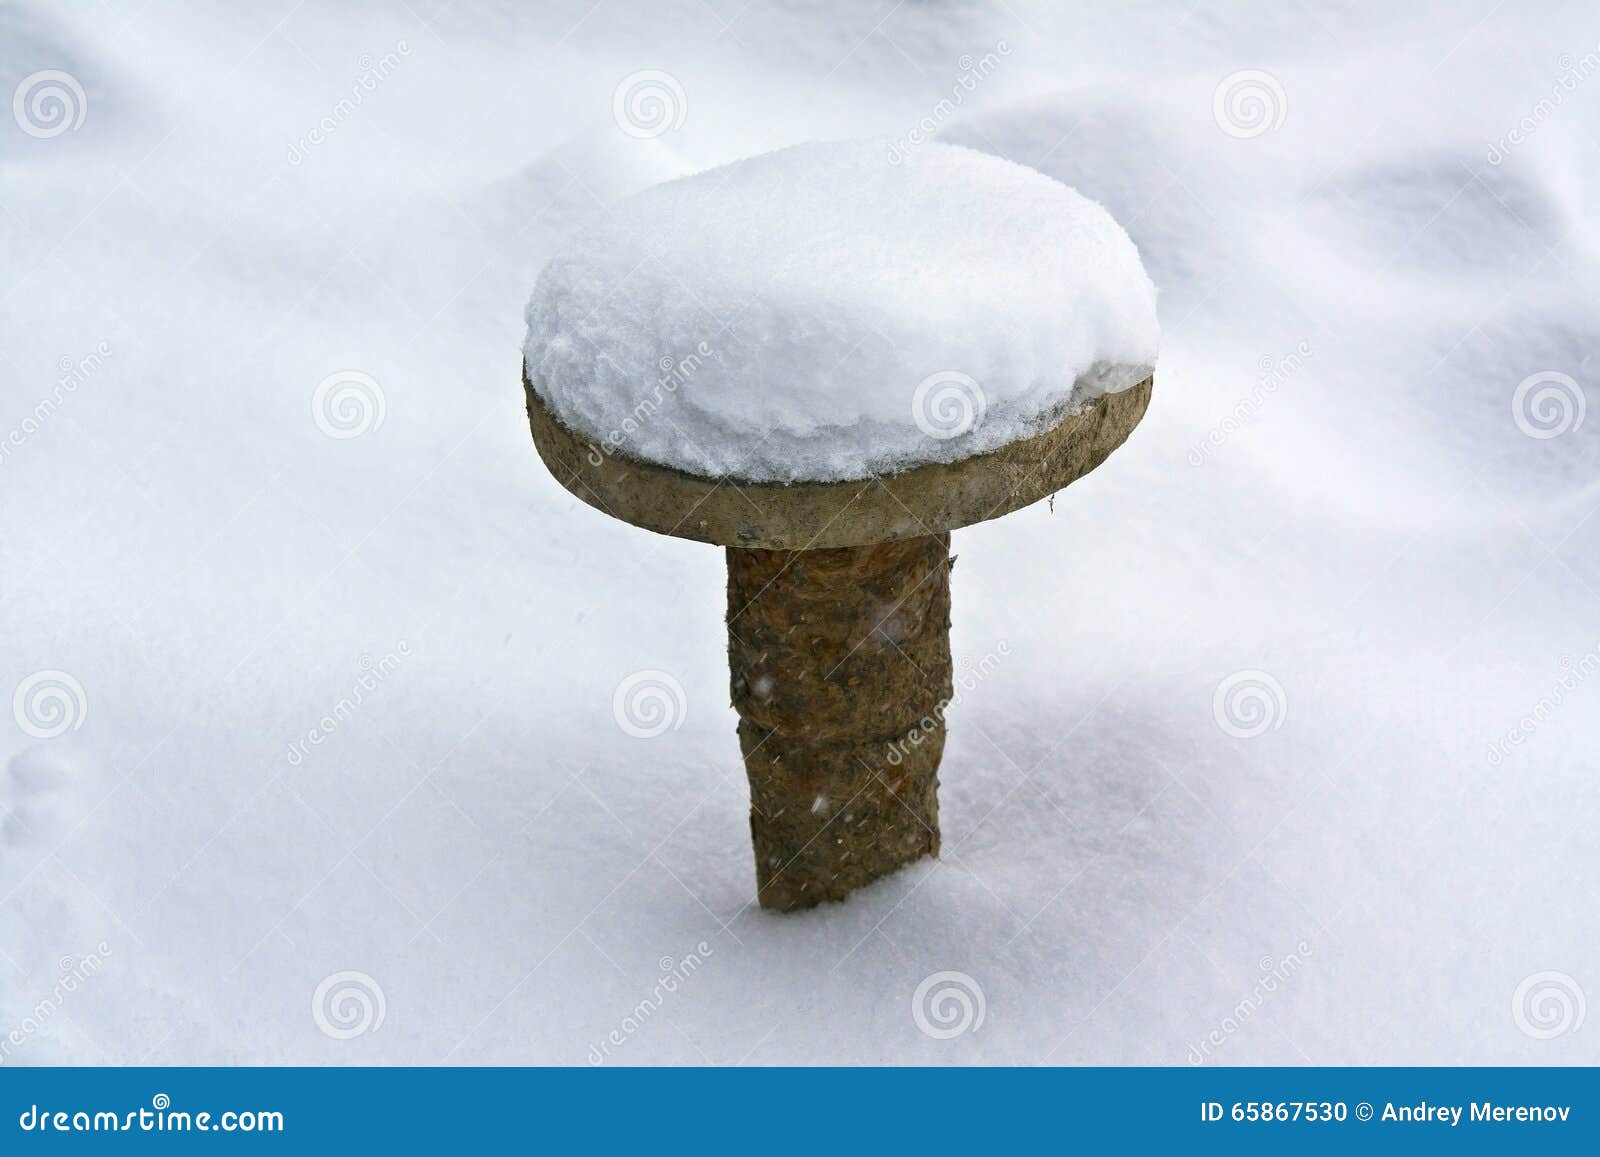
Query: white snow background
x=1230, y=791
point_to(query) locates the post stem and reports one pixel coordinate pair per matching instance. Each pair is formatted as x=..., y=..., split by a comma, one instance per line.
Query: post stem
x=840, y=672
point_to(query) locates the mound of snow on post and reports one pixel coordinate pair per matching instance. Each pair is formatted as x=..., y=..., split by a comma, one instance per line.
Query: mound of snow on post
x=830, y=311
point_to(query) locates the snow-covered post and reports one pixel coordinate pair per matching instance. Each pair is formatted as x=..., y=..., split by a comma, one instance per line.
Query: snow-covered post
x=839, y=625
x=831, y=474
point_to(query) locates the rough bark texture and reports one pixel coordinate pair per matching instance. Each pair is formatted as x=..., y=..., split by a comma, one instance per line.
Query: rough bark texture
x=840, y=663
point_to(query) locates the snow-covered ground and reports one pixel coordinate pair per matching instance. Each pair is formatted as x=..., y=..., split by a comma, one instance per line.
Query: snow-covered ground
x=1280, y=737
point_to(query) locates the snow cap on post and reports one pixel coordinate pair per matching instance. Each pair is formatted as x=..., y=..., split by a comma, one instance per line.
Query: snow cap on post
x=827, y=313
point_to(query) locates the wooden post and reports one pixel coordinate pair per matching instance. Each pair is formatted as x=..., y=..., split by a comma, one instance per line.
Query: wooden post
x=840, y=671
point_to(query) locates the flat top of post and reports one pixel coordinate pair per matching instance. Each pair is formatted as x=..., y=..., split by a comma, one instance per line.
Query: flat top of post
x=844, y=312
x=928, y=499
